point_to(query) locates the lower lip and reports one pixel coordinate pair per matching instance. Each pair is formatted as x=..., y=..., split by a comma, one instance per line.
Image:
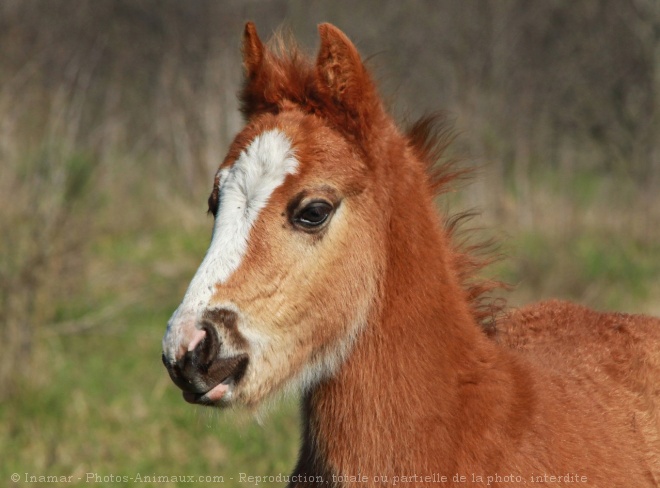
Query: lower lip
x=214, y=395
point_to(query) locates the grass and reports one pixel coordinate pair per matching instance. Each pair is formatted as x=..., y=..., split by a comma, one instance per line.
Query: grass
x=597, y=269
x=588, y=240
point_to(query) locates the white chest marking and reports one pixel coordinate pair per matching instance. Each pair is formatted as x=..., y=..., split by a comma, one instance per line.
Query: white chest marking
x=244, y=189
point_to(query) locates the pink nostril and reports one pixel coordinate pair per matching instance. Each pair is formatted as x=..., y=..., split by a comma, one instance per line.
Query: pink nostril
x=198, y=336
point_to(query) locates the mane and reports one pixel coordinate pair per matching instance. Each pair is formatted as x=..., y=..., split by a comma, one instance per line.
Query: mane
x=290, y=76
x=287, y=78
x=429, y=138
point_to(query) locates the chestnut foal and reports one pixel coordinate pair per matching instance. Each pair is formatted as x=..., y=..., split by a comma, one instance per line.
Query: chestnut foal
x=330, y=272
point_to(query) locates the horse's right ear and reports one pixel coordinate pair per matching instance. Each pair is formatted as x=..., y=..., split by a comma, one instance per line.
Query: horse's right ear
x=253, y=51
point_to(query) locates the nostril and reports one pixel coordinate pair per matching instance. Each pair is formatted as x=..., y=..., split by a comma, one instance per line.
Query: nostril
x=207, y=349
x=179, y=371
x=171, y=366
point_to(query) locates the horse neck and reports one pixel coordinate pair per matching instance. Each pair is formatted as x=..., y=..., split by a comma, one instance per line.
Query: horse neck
x=399, y=385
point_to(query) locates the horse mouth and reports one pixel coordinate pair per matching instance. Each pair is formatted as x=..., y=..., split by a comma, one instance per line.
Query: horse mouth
x=218, y=381
x=212, y=397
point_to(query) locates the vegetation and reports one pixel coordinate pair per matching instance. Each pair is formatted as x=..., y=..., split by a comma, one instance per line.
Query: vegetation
x=115, y=114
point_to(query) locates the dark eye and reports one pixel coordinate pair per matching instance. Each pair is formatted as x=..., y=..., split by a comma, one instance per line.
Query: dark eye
x=313, y=214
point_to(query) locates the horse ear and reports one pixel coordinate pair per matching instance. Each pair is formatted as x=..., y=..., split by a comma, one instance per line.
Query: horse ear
x=253, y=51
x=258, y=76
x=342, y=77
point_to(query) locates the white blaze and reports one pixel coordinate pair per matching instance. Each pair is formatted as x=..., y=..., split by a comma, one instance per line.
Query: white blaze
x=244, y=189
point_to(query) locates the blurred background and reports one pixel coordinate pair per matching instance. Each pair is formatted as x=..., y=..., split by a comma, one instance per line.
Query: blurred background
x=114, y=116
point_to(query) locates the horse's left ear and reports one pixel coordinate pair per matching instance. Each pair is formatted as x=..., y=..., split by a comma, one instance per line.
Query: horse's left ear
x=260, y=87
x=342, y=77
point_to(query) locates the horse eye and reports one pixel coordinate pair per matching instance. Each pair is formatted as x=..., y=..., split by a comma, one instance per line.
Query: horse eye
x=313, y=215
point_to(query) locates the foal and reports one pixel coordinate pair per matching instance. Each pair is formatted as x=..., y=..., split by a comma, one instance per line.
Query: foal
x=331, y=272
